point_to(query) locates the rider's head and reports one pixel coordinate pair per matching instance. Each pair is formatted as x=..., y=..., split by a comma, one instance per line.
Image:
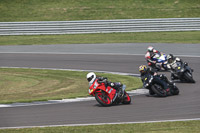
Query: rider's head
x=150, y=49
x=143, y=69
x=170, y=58
x=91, y=77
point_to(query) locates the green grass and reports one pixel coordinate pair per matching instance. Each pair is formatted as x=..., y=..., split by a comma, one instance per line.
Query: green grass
x=163, y=127
x=45, y=10
x=27, y=85
x=148, y=37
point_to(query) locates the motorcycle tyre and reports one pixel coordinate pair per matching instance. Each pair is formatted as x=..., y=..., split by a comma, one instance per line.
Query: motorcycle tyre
x=127, y=99
x=175, y=91
x=156, y=90
x=151, y=92
x=103, y=103
x=188, y=77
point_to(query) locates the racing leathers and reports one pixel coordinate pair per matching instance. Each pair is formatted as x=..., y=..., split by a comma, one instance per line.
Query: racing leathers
x=149, y=57
x=158, y=78
x=171, y=66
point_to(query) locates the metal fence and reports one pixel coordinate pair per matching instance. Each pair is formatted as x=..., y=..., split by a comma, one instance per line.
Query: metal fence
x=99, y=26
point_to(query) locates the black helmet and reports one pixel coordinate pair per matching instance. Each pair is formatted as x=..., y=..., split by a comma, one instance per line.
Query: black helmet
x=170, y=58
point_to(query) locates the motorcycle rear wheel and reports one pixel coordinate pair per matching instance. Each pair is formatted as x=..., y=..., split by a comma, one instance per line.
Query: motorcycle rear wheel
x=103, y=99
x=127, y=98
x=157, y=89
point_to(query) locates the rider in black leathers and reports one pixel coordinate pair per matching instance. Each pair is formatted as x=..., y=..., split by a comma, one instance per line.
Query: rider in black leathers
x=159, y=78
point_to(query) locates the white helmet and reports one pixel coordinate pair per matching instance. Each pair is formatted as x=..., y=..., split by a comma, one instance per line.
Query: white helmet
x=91, y=77
x=150, y=49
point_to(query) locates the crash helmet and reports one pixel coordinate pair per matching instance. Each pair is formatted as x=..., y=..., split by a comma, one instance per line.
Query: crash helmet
x=91, y=77
x=142, y=69
x=170, y=58
x=150, y=49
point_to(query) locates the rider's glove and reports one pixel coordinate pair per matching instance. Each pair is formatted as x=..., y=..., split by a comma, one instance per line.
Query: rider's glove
x=162, y=76
x=186, y=63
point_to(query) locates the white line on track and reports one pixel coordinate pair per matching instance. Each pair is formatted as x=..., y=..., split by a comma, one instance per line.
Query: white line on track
x=93, y=124
x=63, y=53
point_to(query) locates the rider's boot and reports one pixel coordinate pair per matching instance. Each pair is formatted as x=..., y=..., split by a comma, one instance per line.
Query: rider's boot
x=168, y=91
x=120, y=91
x=162, y=76
x=172, y=77
x=170, y=82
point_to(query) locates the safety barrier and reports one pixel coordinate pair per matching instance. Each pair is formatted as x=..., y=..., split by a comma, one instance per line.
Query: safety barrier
x=99, y=26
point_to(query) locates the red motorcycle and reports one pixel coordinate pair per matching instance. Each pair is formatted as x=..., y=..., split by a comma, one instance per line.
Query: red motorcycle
x=108, y=96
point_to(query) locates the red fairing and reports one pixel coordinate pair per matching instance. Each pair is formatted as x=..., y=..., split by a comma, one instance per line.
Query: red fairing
x=107, y=96
x=96, y=87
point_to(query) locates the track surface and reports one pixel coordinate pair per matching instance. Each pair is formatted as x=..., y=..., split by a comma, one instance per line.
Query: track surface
x=143, y=108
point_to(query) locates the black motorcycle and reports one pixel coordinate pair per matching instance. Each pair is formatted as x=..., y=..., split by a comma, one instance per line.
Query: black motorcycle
x=153, y=83
x=183, y=72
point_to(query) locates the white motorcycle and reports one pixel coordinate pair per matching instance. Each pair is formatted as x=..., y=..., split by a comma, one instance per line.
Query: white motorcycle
x=161, y=61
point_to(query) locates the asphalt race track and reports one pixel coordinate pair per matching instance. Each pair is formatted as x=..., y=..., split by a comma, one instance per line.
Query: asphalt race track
x=103, y=57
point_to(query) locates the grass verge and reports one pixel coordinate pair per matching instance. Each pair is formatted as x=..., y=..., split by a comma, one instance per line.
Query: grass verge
x=27, y=85
x=51, y=10
x=148, y=37
x=162, y=127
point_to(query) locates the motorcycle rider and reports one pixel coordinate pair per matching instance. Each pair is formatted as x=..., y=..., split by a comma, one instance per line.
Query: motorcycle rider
x=171, y=64
x=91, y=77
x=144, y=71
x=151, y=51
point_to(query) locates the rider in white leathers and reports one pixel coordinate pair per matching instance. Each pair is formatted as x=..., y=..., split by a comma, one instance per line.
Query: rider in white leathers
x=151, y=52
x=171, y=64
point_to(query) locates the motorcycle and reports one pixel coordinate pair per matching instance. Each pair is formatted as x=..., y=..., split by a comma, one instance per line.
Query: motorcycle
x=183, y=72
x=107, y=96
x=161, y=61
x=156, y=88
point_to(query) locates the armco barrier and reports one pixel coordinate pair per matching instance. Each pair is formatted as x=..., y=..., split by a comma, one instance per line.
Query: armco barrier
x=99, y=26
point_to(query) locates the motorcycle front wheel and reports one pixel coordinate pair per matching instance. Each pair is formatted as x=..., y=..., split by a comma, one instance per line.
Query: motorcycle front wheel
x=189, y=77
x=103, y=99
